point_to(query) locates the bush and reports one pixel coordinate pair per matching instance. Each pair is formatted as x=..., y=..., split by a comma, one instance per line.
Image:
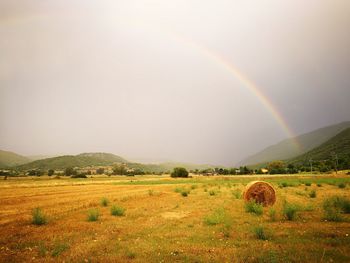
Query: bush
x=50, y=172
x=260, y=233
x=185, y=193
x=253, y=207
x=78, y=176
x=290, y=211
x=312, y=194
x=284, y=184
x=307, y=183
x=38, y=217
x=104, y=201
x=93, y=215
x=212, y=192
x=342, y=185
x=117, y=211
x=319, y=185
x=179, y=172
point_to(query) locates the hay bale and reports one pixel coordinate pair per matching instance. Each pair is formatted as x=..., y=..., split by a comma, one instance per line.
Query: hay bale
x=261, y=192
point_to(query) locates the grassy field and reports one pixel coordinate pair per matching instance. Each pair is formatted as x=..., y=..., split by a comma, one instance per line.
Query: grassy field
x=159, y=219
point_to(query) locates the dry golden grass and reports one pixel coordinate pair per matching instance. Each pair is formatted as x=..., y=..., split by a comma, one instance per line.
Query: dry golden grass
x=161, y=225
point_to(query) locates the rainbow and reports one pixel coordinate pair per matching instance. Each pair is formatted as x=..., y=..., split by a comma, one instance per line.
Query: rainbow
x=211, y=55
x=247, y=83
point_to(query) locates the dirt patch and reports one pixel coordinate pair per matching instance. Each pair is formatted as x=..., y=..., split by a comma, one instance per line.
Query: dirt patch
x=174, y=215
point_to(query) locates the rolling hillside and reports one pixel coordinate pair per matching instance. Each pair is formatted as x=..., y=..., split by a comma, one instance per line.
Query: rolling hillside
x=169, y=166
x=10, y=159
x=80, y=160
x=339, y=145
x=287, y=149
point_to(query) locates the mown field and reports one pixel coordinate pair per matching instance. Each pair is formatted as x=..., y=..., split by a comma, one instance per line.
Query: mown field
x=159, y=219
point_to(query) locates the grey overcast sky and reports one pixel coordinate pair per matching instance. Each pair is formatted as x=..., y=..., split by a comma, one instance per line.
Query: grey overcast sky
x=141, y=79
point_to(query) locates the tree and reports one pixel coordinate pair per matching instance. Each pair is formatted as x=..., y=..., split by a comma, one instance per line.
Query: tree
x=119, y=169
x=69, y=171
x=100, y=171
x=50, y=172
x=35, y=172
x=179, y=172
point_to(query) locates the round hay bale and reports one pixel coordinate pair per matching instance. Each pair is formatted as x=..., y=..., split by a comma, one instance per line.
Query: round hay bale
x=262, y=192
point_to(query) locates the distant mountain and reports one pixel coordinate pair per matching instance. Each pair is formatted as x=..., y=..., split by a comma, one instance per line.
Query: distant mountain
x=80, y=160
x=287, y=149
x=10, y=159
x=339, y=145
x=40, y=157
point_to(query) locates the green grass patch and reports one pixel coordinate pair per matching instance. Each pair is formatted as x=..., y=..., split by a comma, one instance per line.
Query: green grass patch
x=253, y=207
x=59, y=248
x=104, y=201
x=260, y=233
x=290, y=211
x=237, y=193
x=272, y=214
x=312, y=194
x=334, y=206
x=93, y=215
x=219, y=216
x=117, y=210
x=38, y=217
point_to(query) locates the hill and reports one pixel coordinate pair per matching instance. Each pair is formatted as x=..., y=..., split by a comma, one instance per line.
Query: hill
x=338, y=146
x=169, y=166
x=80, y=160
x=10, y=159
x=287, y=149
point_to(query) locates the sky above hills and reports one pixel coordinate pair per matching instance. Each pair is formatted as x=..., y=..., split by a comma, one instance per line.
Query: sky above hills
x=169, y=80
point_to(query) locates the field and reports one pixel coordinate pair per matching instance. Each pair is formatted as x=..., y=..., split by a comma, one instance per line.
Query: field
x=159, y=219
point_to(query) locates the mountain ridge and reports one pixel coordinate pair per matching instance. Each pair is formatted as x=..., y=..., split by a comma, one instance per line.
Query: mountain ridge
x=286, y=149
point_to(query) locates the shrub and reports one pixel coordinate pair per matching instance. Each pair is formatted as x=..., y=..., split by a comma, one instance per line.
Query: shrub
x=212, y=192
x=272, y=214
x=260, y=233
x=78, y=176
x=312, y=194
x=179, y=172
x=185, y=193
x=150, y=192
x=290, y=211
x=117, y=211
x=307, y=183
x=253, y=207
x=284, y=184
x=342, y=185
x=93, y=215
x=319, y=185
x=38, y=217
x=104, y=201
